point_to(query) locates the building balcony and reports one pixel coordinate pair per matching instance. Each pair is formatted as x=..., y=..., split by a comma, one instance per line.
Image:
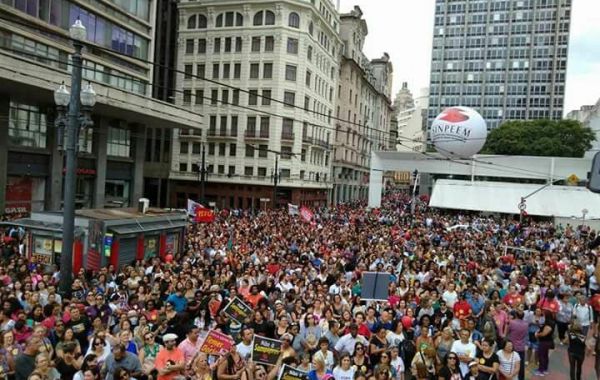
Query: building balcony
x=221, y=134
x=307, y=140
x=256, y=135
x=322, y=144
x=287, y=137
x=190, y=134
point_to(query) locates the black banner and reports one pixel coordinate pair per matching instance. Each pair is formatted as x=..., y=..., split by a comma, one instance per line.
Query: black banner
x=238, y=310
x=265, y=350
x=290, y=373
x=375, y=286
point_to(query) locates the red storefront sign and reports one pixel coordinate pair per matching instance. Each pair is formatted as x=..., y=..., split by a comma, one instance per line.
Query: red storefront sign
x=18, y=195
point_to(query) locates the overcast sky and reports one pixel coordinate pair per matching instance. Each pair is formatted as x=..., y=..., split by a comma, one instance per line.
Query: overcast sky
x=404, y=29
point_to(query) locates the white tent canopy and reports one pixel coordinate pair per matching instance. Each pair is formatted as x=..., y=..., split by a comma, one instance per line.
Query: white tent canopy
x=502, y=197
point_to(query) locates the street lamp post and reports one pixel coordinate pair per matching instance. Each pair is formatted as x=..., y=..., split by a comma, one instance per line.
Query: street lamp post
x=583, y=214
x=77, y=105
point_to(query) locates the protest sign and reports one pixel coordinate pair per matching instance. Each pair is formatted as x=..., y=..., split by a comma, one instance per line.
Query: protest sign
x=290, y=373
x=265, y=350
x=216, y=343
x=238, y=310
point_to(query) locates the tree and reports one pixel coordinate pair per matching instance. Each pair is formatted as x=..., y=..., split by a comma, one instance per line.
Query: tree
x=558, y=138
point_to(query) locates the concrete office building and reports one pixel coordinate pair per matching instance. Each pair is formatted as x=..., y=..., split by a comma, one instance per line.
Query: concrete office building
x=34, y=60
x=364, y=99
x=255, y=51
x=505, y=58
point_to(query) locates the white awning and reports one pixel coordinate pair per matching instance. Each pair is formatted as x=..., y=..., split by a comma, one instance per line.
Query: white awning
x=504, y=197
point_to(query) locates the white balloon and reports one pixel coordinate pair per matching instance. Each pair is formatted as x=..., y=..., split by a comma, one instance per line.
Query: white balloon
x=458, y=132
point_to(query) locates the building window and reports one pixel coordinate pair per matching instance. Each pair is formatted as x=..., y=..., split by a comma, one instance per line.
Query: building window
x=188, y=71
x=269, y=43
x=210, y=169
x=287, y=128
x=221, y=169
x=196, y=148
x=226, y=70
x=189, y=46
x=266, y=98
x=237, y=70
x=214, y=97
x=187, y=97
x=303, y=155
x=285, y=173
x=211, y=149
x=255, y=44
x=238, y=44
x=191, y=23
x=309, y=53
x=254, y=69
x=294, y=20
x=269, y=18
x=232, y=149
x=292, y=45
x=249, y=170
x=230, y=18
x=221, y=149
x=199, y=97
x=262, y=172
x=231, y=170
x=215, y=71
x=27, y=126
x=201, y=46
x=289, y=98
x=265, y=123
x=217, y=47
x=183, y=148
x=249, y=151
x=308, y=78
x=251, y=126
x=290, y=72
x=258, y=18
x=228, y=45
x=286, y=152
x=266, y=18
x=201, y=70
x=235, y=100
x=225, y=97
x=234, y=126
x=311, y=28
x=267, y=70
x=183, y=167
x=119, y=142
x=252, y=97
x=262, y=151
x=202, y=22
x=302, y=173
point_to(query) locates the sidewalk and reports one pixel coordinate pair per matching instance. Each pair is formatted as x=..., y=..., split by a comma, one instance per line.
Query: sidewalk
x=559, y=366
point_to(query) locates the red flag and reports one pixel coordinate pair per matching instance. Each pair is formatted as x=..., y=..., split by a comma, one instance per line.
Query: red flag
x=306, y=214
x=204, y=215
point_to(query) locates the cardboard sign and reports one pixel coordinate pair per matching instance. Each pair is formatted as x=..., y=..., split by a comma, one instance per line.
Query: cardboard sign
x=238, y=310
x=375, y=286
x=216, y=343
x=265, y=350
x=290, y=373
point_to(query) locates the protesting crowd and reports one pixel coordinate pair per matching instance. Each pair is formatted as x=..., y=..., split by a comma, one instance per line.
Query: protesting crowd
x=268, y=295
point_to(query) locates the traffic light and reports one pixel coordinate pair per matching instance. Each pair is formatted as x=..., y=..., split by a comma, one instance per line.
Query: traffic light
x=594, y=175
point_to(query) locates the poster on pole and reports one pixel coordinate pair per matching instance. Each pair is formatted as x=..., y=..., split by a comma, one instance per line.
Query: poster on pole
x=290, y=373
x=216, y=343
x=375, y=286
x=265, y=350
x=238, y=310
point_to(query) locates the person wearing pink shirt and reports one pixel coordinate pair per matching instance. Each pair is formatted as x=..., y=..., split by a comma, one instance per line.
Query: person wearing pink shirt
x=190, y=346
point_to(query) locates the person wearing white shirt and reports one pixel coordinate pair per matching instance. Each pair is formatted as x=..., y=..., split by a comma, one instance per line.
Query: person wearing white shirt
x=325, y=354
x=344, y=371
x=244, y=348
x=583, y=313
x=347, y=342
x=465, y=351
x=450, y=295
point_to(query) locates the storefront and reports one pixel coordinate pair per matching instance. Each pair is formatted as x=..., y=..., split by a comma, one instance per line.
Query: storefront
x=105, y=237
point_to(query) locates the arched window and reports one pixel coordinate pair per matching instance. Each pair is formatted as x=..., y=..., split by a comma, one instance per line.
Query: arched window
x=311, y=28
x=258, y=18
x=202, y=22
x=219, y=21
x=294, y=20
x=239, y=19
x=269, y=18
x=191, y=23
x=309, y=53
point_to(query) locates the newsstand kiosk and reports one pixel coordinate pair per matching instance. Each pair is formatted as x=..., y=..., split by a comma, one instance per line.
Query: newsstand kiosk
x=105, y=236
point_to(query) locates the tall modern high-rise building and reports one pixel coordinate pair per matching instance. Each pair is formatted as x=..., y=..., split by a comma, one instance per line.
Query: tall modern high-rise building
x=505, y=58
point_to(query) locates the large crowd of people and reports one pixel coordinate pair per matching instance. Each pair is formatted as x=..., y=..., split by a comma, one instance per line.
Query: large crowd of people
x=469, y=297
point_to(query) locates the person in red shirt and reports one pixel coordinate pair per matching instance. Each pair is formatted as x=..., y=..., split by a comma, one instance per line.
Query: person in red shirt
x=170, y=361
x=513, y=298
x=254, y=297
x=462, y=310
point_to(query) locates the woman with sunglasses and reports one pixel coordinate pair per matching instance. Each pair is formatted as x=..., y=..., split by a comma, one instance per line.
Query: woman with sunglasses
x=385, y=364
x=148, y=352
x=360, y=360
x=450, y=370
x=99, y=349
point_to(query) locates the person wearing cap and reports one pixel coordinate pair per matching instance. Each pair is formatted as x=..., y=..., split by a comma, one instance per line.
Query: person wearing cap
x=347, y=342
x=170, y=361
x=475, y=373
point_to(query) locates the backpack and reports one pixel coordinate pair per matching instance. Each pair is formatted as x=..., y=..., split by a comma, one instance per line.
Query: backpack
x=408, y=350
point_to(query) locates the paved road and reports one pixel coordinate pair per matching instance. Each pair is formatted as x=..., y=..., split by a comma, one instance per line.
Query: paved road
x=559, y=367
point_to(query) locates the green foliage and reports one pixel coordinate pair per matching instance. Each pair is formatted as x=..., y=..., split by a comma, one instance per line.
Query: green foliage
x=558, y=138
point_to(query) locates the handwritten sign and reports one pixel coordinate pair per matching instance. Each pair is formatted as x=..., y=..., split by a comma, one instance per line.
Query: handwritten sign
x=290, y=373
x=216, y=343
x=265, y=350
x=238, y=310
